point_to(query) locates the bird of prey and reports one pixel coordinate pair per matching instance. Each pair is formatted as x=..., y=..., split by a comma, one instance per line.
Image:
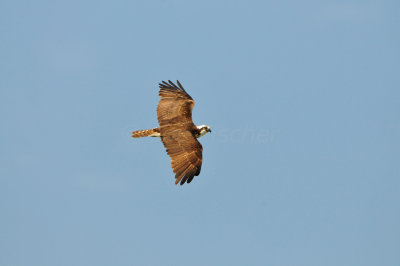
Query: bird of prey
x=177, y=131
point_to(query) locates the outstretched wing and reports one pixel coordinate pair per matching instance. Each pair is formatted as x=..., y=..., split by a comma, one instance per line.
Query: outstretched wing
x=174, y=112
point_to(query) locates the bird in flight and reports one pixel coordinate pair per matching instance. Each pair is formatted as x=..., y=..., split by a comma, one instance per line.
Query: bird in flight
x=177, y=131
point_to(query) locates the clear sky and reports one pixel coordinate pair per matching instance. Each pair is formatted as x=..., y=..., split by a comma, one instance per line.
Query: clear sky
x=302, y=165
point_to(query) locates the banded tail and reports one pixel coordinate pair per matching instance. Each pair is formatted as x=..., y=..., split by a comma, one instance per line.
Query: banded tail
x=154, y=132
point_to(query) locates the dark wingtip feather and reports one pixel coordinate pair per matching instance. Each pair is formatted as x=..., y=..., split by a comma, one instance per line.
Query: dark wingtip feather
x=187, y=178
x=180, y=85
x=183, y=181
x=173, y=85
x=163, y=84
x=170, y=84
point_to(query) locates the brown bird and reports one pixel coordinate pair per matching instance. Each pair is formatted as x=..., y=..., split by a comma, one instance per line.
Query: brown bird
x=177, y=131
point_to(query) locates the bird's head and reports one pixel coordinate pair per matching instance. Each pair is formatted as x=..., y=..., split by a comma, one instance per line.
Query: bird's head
x=204, y=129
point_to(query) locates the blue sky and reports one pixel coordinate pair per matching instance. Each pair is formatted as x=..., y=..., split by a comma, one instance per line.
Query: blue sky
x=302, y=165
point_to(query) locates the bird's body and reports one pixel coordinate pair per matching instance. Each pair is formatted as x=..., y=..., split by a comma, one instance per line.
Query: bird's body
x=155, y=132
x=178, y=132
